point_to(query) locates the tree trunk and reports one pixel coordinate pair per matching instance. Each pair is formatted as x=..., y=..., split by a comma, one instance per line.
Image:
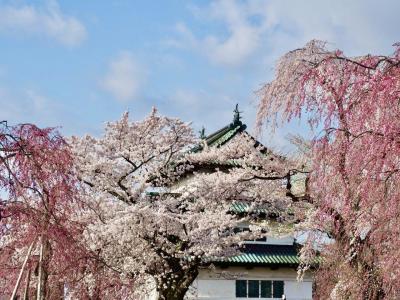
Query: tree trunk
x=28, y=280
x=14, y=294
x=174, y=286
x=42, y=287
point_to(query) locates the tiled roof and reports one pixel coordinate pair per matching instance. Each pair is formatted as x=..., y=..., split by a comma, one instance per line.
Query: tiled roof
x=225, y=134
x=222, y=136
x=264, y=254
x=241, y=207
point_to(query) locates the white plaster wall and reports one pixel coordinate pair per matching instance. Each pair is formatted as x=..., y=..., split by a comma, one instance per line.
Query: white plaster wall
x=215, y=289
x=219, y=284
x=298, y=290
x=283, y=240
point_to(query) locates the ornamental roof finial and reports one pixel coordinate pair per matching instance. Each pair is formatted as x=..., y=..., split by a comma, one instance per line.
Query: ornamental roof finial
x=236, y=116
x=202, y=133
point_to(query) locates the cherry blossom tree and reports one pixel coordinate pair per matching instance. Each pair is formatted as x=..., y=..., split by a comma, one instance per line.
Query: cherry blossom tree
x=352, y=103
x=38, y=195
x=160, y=208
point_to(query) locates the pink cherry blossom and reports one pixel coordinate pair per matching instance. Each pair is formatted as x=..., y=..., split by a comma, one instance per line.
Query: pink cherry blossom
x=352, y=103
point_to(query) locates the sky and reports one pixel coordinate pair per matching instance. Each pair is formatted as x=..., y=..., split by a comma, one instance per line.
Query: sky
x=78, y=64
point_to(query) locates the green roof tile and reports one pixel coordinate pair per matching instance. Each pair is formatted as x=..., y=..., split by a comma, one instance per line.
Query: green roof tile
x=241, y=207
x=265, y=254
x=222, y=136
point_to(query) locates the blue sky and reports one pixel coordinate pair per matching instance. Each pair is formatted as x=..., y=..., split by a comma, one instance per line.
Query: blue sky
x=77, y=64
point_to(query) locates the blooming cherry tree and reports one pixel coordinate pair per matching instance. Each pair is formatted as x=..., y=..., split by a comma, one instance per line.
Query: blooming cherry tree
x=353, y=104
x=160, y=210
x=38, y=195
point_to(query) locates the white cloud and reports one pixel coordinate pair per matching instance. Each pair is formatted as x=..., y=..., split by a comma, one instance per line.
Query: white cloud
x=242, y=37
x=252, y=29
x=124, y=77
x=358, y=26
x=49, y=22
x=29, y=105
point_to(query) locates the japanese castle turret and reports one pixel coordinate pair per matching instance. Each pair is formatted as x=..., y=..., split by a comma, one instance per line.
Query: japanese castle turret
x=262, y=269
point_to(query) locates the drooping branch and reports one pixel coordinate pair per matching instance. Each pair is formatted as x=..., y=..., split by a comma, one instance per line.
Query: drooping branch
x=354, y=101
